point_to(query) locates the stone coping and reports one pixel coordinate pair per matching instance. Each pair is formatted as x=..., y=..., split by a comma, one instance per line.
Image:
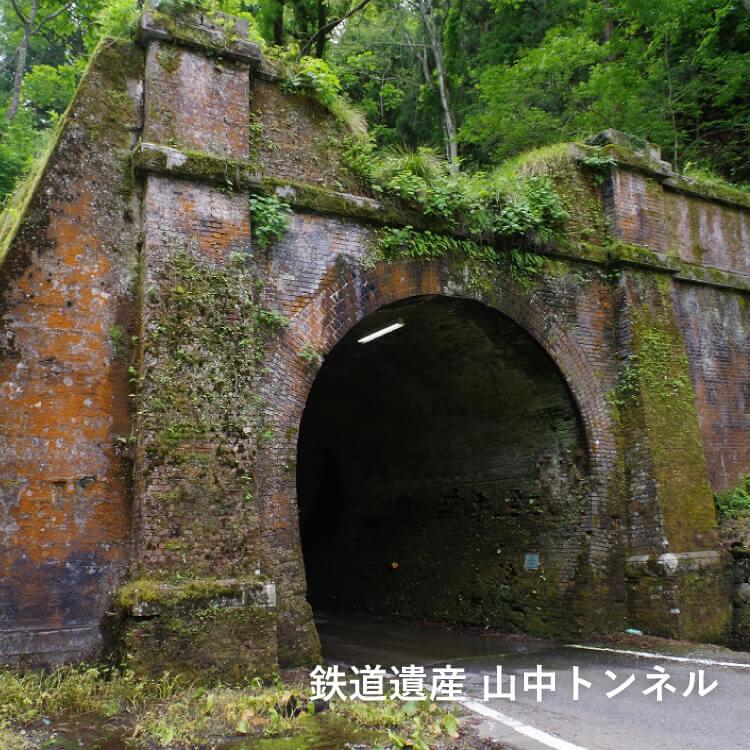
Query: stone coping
x=146, y=597
x=217, y=32
x=235, y=175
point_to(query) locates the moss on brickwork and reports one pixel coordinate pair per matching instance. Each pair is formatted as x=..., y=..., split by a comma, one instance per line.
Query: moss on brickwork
x=704, y=610
x=207, y=344
x=651, y=597
x=671, y=504
x=16, y=207
x=580, y=194
x=200, y=412
x=70, y=243
x=636, y=255
x=319, y=199
x=165, y=593
x=231, y=174
x=668, y=399
x=301, y=140
x=655, y=393
x=710, y=189
x=742, y=626
x=169, y=58
x=102, y=103
x=629, y=155
x=690, y=601
x=215, y=33
x=207, y=644
x=299, y=644
x=201, y=425
x=597, y=600
x=206, y=629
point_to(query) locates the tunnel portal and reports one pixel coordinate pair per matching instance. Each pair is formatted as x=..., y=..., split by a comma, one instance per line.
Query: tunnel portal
x=438, y=466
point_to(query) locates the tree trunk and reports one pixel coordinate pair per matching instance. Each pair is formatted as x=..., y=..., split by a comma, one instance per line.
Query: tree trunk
x=21, y=54
x=609, y=26
x=450, y=132
x=278, y=24
x=320, y=42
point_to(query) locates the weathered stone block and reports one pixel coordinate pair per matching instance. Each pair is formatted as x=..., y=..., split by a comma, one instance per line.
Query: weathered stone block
x=680, y=595
x=208, y=630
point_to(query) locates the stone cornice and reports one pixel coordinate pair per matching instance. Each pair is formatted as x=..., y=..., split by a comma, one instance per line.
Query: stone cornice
x=245, y=176
x=213, y=32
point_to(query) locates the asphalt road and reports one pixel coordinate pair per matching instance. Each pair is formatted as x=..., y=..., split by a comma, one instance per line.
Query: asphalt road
x=630, y=720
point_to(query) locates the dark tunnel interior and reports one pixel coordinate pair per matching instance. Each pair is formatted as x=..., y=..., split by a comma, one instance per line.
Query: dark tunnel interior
x=442, y=471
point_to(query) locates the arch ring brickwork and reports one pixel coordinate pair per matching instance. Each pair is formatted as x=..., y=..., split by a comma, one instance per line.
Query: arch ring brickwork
x=344, y=299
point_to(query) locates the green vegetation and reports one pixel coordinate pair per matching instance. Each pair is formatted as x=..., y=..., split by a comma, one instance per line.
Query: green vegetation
x=12, y=740
x=478, y=208
x=172, y=713
x=270, y=219
x=408, y=725
x=310, y=355
x=204, y=350
x=170, y=593
x=29, y=696
x=479, y=81
x=653, y=367
x=735, y=503
x=312, y=75
x=117, y=339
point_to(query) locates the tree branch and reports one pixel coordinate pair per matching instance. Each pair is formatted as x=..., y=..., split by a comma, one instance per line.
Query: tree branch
x=407, y=45
x=331, y=25
x=19, y=12
x=52, y=16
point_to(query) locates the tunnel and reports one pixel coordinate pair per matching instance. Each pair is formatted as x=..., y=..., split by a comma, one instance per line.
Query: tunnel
x=442, y=471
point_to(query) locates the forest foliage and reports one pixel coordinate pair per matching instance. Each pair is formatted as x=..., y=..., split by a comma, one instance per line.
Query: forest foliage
x=474, y=81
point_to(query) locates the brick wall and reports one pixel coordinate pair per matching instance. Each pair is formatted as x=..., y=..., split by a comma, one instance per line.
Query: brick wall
x=647, y=211
x=197, y=103
x=716, y=325
x=671, y=256
x=67, y=320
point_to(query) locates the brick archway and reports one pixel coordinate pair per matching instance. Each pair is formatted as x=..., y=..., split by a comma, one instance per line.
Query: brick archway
x=349, y=295
x=342, y=303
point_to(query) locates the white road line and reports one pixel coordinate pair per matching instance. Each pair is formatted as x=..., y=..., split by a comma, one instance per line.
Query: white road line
x=663, y=657
x=535, y=734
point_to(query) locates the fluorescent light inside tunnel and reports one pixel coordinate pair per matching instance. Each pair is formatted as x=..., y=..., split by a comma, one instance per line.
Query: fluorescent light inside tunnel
x=381, y=332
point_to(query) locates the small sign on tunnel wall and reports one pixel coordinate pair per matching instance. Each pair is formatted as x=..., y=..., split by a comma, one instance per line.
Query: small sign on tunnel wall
x=531, y=561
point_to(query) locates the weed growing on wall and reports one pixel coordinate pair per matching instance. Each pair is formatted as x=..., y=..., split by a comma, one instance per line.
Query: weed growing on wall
x=311, y=75
x=478, y=207
x=310, y=355
x=599, y=163
x=533, y=208
x=269, y=219
x=407, y=243
x=481, y=208
x=660, y=366
x=735, y=503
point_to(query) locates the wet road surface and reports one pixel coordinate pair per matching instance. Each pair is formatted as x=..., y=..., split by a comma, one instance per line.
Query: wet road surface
x=629, y=720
